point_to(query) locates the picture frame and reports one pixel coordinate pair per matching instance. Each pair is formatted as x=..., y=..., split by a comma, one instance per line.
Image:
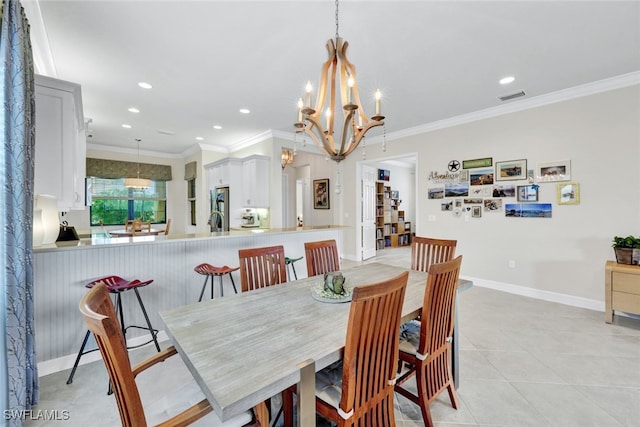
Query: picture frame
x=321, y=193
x=554, y=171
x=511, y=170
x=569, y=193
x=527, y=193
x=477, y=163
x=476, y=211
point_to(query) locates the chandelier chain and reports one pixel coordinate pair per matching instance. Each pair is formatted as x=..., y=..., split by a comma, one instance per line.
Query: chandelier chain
x=337, y=25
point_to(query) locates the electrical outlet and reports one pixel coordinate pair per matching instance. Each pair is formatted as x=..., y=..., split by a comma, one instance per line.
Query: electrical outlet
x=512, y=263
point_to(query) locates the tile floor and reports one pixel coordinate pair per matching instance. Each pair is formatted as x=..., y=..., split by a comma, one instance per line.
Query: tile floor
x=524, y=362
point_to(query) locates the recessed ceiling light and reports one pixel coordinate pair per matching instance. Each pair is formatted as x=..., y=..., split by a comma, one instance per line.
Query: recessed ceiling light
x=199, y=138
x=507, y=80
x=145, y=85
x=133, y=110
x=126, y=126
x=217, y=127
x=245, y=110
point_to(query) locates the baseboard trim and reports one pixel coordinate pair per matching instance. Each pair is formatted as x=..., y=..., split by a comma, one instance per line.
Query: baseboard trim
x=571, y=300
x=66, y=362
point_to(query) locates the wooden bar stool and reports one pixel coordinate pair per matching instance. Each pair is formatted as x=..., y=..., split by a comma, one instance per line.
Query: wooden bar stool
x=210, y=271
x=290, y=261
x=117, y=285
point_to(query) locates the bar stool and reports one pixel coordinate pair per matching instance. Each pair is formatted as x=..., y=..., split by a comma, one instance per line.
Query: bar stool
x=290, y=261
x=117, y=285
x=211, y=271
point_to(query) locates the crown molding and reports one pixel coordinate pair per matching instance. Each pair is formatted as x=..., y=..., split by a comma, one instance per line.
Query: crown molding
x=587, y=89
x=41, y=48
x=125, y=150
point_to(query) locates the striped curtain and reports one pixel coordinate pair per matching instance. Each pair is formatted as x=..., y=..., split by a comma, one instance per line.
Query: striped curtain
x=19, y=384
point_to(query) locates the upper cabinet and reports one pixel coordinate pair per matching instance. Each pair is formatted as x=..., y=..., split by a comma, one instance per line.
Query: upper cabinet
x=223, y=173
x=255, y=181
x=61, y=145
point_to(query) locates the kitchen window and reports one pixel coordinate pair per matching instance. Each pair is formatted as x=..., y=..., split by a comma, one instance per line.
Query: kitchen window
x=113, y=203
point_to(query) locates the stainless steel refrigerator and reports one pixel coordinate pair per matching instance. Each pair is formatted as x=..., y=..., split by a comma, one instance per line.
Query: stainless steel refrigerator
x=220, y=209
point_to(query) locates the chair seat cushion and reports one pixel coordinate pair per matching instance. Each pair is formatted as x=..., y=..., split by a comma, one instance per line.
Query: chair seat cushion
x=410, y=337
x=329, y=384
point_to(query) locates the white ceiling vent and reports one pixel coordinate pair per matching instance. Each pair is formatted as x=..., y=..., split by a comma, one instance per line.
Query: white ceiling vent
x=512, y=96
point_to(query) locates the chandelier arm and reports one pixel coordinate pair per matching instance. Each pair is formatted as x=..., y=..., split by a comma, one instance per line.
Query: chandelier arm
x=360, y=135
x=323, y=140
x=345, y=127
x=324, y=76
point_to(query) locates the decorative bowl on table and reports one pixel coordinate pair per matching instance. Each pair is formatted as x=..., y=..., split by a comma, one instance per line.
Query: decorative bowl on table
x=333, y=289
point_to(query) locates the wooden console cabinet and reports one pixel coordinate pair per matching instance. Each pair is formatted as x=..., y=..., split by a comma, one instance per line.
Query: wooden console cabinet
x=622, y=289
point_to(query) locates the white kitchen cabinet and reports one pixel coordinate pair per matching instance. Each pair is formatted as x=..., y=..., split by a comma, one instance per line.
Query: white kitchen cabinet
x=61, y=145
x=224, y=172
x=255, y=182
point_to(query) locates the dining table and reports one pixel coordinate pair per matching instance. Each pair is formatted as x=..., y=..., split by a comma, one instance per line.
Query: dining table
x=246, y=348
x=130, y=233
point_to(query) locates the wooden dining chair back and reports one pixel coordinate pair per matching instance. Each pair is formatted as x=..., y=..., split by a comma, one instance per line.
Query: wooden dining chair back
x=99, y=315
x=262, y=267
x=426, y=251
x=322, y=257
x=370, y=357
x=128, y=225
x=167, y=227
x=430, y=358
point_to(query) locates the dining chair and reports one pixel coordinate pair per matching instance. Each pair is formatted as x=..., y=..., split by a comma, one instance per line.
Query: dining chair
x=427, y=351
x=322, y=257
x=99, y=315
x=167, y=227
x=426, y=251
x=262, y=267
x=128, y=225
x=358, y=391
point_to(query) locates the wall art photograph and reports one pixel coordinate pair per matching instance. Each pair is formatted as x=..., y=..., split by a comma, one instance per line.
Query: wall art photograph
x=481, y=176
x=446, y=206
x=504, y=191
x=554, y=171
x=480, y=191
x=476, y=211
x=436, y=193
x=511, y=170
x=321, y=193
x=456, y=189
x=464, y=176
x=527, y=193
x=569, y=194
x=528, y=210
x=472, y=201
x=492, y=205
x=477, y=163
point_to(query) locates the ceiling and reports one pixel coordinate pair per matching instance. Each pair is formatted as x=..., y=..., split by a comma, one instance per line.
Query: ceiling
x=207, y=59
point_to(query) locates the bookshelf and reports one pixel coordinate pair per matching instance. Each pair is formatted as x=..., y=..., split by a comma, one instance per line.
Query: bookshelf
x=391, y=228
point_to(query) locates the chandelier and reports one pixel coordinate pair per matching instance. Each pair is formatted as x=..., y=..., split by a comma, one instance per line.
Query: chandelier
x=355, y=123
x=137, y=183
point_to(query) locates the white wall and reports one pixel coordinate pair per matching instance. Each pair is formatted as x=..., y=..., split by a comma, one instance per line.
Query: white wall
x=565, y=254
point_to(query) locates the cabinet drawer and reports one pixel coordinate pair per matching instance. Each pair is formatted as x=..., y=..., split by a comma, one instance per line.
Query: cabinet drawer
x=625, y=282
x=628, y=303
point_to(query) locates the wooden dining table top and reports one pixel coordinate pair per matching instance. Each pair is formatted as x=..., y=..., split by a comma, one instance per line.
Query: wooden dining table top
x=243, y=349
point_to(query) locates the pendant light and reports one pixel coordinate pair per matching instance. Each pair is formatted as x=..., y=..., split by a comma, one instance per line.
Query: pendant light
x=137, y=183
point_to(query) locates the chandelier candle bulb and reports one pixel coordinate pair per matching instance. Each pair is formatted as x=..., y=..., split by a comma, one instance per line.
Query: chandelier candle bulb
x=350, y=82
x=308, y=88
x=300, y=110
x=378, y=96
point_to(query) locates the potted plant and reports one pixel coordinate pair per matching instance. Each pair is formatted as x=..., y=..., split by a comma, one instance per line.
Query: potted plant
x=627, y=249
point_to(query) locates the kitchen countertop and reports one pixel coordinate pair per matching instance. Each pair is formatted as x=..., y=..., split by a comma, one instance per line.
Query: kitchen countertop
x=101, y=240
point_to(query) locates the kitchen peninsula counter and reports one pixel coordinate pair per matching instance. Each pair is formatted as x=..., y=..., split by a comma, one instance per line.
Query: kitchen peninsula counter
x=61, y=272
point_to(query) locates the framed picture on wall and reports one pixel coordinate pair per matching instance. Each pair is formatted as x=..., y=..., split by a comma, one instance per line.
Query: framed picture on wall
x=527, y=193
x=321, y=193
x=569, y=193
x=554, y=171
x=511, y=170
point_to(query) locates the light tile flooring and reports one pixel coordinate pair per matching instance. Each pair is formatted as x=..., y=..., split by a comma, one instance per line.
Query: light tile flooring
x=524, y=362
